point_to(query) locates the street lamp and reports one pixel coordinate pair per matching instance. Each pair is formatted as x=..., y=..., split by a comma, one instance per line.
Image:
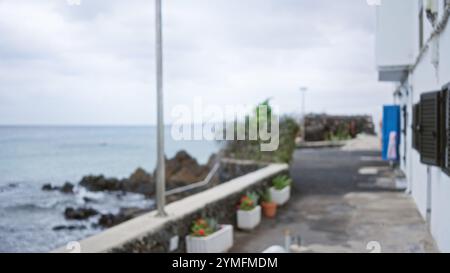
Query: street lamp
x=160, y=165
x=303, y=89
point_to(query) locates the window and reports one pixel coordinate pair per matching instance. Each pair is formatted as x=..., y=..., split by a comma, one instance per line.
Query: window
x=404, y=130
x=429, y=128
x=416, y=127
x=445, y=124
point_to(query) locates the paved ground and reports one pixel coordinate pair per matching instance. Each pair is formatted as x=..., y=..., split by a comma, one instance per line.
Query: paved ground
x=341, y=201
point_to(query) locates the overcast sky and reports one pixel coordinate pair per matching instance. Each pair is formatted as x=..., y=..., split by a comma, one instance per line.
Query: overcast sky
x=94, y=63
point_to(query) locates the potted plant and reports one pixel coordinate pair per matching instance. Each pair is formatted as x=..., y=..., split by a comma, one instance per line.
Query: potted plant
x=269, y=207
x=281, y=189
x=208, y=237
x=249, y=212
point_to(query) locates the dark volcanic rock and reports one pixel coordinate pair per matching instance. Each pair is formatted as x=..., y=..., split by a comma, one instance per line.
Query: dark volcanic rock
x=89, y=200
x=108, y=220
x=100, y=183
x=66, y=188
x=139, y=182
x=72, y=227
x=183, y=170
x=80, y=213
x=180, y=171
x=140, y=176
x=48, y=187
x=125, y=214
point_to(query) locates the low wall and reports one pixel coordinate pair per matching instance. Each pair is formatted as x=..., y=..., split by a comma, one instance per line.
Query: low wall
x=320, y=127
x=149, y=233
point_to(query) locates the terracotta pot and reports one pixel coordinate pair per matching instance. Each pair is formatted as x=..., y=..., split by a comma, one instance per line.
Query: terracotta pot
x=269, y=209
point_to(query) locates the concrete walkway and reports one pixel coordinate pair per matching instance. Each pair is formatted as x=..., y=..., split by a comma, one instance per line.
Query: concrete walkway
x=341, y=201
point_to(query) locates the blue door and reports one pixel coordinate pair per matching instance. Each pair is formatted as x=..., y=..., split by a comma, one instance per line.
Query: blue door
x=391, y=132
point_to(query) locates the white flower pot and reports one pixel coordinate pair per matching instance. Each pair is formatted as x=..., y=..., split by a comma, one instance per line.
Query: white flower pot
x=218, y=242
x=248, y=220
x=280, y=197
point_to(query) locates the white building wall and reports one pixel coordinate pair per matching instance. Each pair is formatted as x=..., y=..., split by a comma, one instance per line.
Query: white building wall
x=423, y=79
x=440, y=181
x=430, y=186
x=409, y=156
x=440, y=214
x=444, y=66
x=395, y=33
x=419, y=183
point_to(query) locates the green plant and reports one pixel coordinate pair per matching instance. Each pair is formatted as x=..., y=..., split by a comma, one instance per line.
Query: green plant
x=248, y=202
x=259, y=114
x=266, y=197
x=204, y=227
x=340, y=134
x=280, y=182
x=251, y=149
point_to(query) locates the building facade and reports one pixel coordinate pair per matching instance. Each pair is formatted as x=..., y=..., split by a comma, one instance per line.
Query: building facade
x=413, y=52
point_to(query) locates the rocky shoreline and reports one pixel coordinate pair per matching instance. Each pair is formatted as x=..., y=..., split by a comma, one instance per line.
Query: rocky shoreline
x=181, y=170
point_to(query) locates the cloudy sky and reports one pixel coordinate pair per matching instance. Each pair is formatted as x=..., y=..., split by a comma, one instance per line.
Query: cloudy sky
x=94, y=63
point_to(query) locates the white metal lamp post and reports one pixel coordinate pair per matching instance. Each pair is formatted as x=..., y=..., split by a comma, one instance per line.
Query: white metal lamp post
x=160, y=167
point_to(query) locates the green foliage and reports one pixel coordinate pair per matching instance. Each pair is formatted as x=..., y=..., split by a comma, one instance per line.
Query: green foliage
x=204, y=227
x=280, y=182
x=261, y=116
x=340, y=134
x=266, y=196
x=251, y=149
x=288, y=132
x=248, y=202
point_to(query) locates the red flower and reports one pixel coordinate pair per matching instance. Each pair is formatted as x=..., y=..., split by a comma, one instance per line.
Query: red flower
x=201, y=232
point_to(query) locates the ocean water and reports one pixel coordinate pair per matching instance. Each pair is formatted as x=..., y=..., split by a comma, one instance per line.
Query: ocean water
x=33, y=156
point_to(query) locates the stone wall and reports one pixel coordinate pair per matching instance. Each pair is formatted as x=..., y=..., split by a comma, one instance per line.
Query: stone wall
x=320, y=127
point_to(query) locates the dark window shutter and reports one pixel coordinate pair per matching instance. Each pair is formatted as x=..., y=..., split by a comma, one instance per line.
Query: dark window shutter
x=445, y=110
x=429, y=128
x=416, y=126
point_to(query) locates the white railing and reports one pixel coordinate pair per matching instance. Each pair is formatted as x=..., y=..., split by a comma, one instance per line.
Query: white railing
x=196, y=185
